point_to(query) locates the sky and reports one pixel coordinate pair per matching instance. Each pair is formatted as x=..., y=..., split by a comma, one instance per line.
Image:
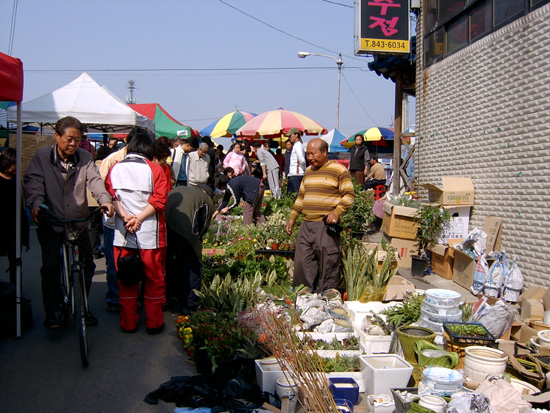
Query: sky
x=201, y=59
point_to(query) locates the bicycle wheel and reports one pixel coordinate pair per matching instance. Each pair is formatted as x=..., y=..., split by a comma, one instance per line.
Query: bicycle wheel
x=80, y=313
x=67, y=290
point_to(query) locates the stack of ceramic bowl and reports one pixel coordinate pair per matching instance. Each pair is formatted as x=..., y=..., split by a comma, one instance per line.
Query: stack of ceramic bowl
x=440, y=306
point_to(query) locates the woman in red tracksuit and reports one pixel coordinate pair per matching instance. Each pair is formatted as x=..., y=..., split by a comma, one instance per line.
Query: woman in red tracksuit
x=140, y=189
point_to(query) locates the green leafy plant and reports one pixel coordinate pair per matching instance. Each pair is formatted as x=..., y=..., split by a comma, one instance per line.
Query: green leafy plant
x=360, y=214
x=406, y=312
x=341, y=363
x=431, y=221
x=359, y=265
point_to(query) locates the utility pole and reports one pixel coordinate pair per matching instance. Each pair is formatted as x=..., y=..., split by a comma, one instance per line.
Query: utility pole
x=131, y=87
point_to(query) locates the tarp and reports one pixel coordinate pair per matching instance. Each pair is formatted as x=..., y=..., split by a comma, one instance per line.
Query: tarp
x=11, y=88
x=165, y=125
x=333, y=138
x=86, y=100
x=11, y=78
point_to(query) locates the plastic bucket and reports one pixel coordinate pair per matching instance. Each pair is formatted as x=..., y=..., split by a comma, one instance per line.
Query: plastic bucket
x=287, y=388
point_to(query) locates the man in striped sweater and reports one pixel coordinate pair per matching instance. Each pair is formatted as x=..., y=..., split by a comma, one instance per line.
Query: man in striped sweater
x=325, y=191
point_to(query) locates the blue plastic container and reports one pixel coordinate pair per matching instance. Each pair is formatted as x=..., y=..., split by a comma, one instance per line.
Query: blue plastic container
x=344, y=388
x=344, y=405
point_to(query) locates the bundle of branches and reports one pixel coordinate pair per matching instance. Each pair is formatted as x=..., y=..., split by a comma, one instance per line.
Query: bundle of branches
x=299, y=360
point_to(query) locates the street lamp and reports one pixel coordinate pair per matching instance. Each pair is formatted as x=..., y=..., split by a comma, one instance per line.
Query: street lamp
x=339, y=62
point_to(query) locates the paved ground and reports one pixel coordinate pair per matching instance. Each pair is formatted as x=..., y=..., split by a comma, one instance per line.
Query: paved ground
x=41, y=371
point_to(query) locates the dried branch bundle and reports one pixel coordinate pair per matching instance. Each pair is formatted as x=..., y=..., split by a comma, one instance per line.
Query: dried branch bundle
x=299, y=359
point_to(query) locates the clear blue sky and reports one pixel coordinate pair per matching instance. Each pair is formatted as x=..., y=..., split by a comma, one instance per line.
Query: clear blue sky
x=117, y=40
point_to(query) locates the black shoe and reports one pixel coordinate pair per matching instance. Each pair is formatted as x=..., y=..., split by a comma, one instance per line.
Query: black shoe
x=128, y=331
x=98, y=255
x=91, y=320
x=187, y=310
x=155, y=330
x=52, y=321
x=113, y=308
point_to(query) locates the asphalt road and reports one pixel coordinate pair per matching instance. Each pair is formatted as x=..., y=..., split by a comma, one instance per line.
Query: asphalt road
x=42, y=372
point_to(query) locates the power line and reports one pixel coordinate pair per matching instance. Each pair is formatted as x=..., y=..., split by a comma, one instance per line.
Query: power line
x=275, y=28
x=358, y=101
x=12, y=28
x=338, y=4
x=197, y=69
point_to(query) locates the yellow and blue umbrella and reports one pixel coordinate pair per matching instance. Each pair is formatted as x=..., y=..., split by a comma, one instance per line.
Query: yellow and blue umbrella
x=227, y=125
x=376, y=134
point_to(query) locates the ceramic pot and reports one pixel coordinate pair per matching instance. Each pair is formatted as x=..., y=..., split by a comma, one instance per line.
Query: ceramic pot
x=435, y=403
x=481, y=361
x=409, y=335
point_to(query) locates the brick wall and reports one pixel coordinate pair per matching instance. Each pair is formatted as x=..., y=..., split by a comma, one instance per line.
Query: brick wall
x=484, y=113
x=30, y=144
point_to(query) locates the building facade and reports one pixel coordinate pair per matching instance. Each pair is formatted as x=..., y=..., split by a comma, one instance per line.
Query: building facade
x=483, y=111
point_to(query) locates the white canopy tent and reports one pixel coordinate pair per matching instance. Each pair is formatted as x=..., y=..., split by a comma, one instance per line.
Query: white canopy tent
x=92, y=104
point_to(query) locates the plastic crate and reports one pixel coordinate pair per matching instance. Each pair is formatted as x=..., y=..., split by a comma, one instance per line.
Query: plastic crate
x=487, y=340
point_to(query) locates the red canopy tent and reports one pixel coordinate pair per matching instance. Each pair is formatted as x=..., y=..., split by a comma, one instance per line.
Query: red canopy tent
x=11, y=89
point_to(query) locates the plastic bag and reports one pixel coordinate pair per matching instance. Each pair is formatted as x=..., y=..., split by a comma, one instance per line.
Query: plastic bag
x=513, y=283
x=496, y=318
x=503, y=396
x=496, y=276
x=480, y=275
x=475, y=244
x=465, y=402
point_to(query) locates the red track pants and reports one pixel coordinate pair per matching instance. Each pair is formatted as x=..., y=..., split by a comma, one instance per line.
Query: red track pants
x=154, y=289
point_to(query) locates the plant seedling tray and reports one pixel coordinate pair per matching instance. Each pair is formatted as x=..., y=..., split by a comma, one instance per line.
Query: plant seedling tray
x=486, y=340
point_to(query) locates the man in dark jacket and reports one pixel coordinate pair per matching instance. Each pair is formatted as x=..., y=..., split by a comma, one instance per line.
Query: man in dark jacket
x=188, y=214
x=58, y=176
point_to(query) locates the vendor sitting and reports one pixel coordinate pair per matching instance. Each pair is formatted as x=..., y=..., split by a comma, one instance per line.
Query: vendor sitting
x=377, y=175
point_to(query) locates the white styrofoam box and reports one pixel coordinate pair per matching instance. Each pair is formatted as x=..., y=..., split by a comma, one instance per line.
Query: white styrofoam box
x=268, y=371
x=356, y=375
x=328, y=337
x=359, y=310
x=458, y=227
x=374, y=344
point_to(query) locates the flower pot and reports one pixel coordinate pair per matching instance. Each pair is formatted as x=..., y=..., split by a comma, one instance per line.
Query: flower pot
x=481, y=361
x=418, y=265
x=409, y=335
x=382, y=372
x=248, y=366
x=275, y=246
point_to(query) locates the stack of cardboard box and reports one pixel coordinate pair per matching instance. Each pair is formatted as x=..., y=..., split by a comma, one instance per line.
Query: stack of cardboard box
x=457, y=196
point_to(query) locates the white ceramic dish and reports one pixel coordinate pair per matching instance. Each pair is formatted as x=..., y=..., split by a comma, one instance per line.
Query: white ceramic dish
x=441, y=309
x=442, y=297
x=441, y=318
x=544, y=337
x=432, y=325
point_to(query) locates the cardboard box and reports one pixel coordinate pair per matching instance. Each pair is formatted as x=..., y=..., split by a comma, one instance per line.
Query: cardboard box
x=459, y=225
x=397, y=287
x=522, y=333
x=463, y=269
x=381, y=254
x=532, y=292
x=442, y=260
x=532, y=308
x=455, y=191
x=493, y=228
x=399, y=221
x=405, y=248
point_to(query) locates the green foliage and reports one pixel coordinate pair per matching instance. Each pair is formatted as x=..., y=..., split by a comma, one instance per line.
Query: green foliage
x=431, y=220
x=359, y=266
x=405, y=313
x=230, y=294
x=341, y=363
x=360, y=214
x=467, y=310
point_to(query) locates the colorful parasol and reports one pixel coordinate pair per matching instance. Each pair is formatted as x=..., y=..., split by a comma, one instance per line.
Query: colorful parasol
x=370, y=135
x=275, y=123
x=227, y=125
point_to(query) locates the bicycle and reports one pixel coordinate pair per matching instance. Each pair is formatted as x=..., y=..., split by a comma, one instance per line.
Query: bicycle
x=73, y=305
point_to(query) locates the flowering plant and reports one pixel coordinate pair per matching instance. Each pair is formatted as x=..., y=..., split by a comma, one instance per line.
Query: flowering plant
x=253, y=337
x=218, y=334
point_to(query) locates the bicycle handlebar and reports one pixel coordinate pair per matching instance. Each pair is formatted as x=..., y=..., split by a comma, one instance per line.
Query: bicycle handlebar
x=46, y=210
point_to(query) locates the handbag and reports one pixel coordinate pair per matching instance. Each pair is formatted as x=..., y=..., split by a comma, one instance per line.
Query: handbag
x=130, y=268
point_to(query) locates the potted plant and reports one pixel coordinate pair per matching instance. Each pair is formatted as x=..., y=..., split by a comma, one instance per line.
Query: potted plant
x=210, y=338
x=431, y=220
x=360, y=214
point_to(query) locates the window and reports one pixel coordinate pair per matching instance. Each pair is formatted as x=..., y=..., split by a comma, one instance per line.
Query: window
x=480, y=20
x=457, y=34
x=506, y=9
x=452, y=24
